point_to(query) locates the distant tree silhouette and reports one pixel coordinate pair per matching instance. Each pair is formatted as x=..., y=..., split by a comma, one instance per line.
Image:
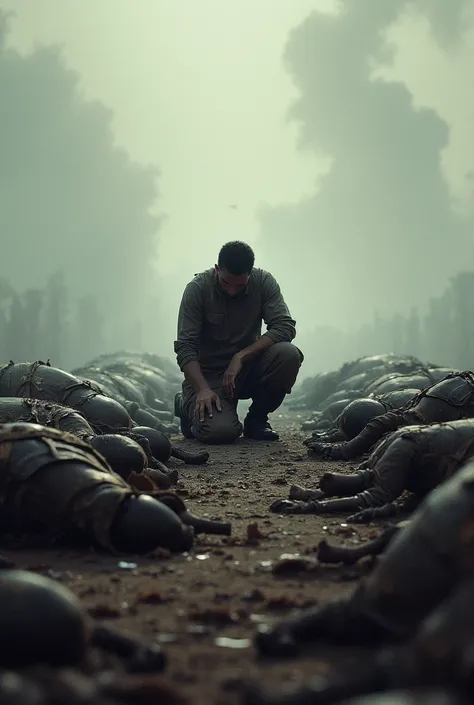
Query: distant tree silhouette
x=33, y=305
x=382, y=213
x=72, y=199
x=5, y=302
x=41, y=324
x=462, y=319
x=89, y=330
x=55, y=329
x=15, y=333
x=413, y=338
x=443, y=334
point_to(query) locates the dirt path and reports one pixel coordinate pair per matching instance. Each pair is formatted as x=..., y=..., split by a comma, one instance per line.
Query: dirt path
x=193, y=603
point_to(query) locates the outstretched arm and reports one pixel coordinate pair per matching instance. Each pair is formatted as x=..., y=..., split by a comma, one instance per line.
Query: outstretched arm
x=364, y=442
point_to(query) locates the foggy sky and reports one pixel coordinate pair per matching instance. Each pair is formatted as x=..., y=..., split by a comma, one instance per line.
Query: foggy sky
x=198, y=88
x=380, y=231
x=72, y=202
x=202, y=89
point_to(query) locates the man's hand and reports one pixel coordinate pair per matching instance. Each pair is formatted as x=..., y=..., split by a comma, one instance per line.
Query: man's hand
x=204, y=400
x=228, y=383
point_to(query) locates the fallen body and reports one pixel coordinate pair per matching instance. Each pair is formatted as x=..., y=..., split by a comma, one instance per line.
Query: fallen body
x=416, y=459
x=438, y=655
x=329, y=553
x=133, y=452
x=423, y=566
x=353, y=416
x=355, y=377
x=55, y=484
x=162, y=449
x=449, y=400
x=38, y=380
x=136, y=395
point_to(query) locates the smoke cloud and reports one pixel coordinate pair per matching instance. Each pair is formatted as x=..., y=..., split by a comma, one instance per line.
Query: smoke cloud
x=381, y=231
x=72, y=201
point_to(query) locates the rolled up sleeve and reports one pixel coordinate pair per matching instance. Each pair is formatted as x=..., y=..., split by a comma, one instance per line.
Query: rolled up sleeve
x=190, y=319
x=280, y=325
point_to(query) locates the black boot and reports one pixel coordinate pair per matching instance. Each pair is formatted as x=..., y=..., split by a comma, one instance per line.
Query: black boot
x=259, y=429
x=256, y=424
x=184, y=422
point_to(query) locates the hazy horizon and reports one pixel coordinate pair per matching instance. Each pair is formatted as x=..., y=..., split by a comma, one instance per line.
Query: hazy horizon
x=206, y=92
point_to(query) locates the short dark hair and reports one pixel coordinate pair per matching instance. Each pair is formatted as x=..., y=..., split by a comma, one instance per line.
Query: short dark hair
x=236, y=257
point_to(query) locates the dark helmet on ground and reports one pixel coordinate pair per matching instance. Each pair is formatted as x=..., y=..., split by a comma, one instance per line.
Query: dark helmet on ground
x=334, y=409
x=357, y=415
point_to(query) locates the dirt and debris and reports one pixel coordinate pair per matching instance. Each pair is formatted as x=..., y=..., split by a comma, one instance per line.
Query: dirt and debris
x=203, y=607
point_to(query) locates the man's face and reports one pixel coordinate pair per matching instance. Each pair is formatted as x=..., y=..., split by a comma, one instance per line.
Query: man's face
x=231, y=284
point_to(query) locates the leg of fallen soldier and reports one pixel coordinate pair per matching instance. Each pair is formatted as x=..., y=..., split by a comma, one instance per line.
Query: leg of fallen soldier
x=267, y=380
x=223, y=426
x=390, y=479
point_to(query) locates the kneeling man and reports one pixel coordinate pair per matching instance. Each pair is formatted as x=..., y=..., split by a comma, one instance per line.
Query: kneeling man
x=225, y=357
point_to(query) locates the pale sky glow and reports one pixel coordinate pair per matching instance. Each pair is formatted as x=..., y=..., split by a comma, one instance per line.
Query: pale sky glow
x=435, y=79
x=199, y=88
x=184, y=79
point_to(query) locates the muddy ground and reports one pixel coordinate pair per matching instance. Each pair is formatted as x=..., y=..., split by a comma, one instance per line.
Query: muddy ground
x=194, y=604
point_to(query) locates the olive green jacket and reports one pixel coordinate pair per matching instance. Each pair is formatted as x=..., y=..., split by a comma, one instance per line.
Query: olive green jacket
x=213, y=326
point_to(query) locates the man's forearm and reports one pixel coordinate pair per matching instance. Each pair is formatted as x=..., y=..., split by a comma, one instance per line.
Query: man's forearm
x=256, y=348
x=192, y=372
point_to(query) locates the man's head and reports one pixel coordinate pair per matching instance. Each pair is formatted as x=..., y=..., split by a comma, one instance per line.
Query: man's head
x=234, y=265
